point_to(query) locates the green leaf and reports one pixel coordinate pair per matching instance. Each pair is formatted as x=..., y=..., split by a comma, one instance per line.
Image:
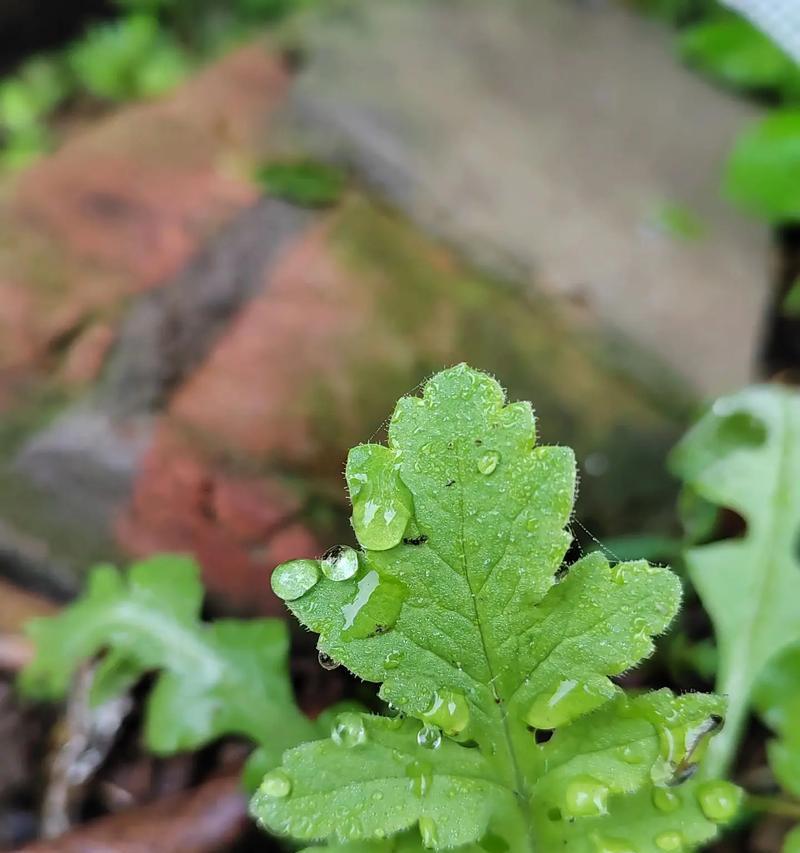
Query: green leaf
x=306, y=183
x=228, y=677
x=733, y=51
x=791, y=844
x=744, y=455
x=777, y=698
x=763, y=172
x=129, y=58
x=462, y=619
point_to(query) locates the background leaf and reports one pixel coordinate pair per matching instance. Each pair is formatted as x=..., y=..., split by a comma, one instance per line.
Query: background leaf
x=228, y=677
x=744, y=455
x=763, y=171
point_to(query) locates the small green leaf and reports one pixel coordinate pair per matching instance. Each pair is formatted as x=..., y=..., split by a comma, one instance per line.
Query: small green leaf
x=744, y=455
x=763, y=172
x=679, y=222
x=733, y=51
x=221, y=678
x=306, y=183
x=476, y=638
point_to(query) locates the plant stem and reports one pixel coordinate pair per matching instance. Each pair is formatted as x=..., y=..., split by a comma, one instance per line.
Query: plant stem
x=774, y=806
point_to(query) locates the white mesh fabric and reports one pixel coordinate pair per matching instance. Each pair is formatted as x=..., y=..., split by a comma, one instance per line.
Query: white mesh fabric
x=780, y=19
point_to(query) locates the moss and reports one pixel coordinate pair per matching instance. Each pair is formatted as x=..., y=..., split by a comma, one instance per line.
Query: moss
x=429, y=310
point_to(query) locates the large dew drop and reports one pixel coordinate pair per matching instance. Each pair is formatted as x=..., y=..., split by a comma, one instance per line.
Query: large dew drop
x=349, y=730
x=719, y=801
x=276, y=785
x=566, y=700
x=294, y=579
x=665, y=800
x=586, y=797
x=429, y=737
x=340, y=563
x=428, y=832
x=326, y=661
x=449, y=711
x=488, y=462
x=420, y=775
x=382, y=504
x=375, y=608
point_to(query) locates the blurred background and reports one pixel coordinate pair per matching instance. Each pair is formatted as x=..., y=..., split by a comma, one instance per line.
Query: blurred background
x=233, y=232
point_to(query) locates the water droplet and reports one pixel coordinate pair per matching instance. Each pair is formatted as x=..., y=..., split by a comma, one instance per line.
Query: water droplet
x=613, y=845
x=449, y=711
x=375, y=608
x=276, y=785
x=326, y=661
x=382, y=504
x=670, y=841
x=348, y=730
x=429, y=737
x=294, y=579
x=719, y=800
x=586, y=797
x=633, y=754
x=665, y=800
x=420, y=775
x=340, y=563
x=567, y=699
x=392, y=660
x=428, y=831
x=488, y=461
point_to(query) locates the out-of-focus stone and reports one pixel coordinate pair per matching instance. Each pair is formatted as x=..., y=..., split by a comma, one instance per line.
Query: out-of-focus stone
x=359, y=311
x=117, y=212
x=122, y=207
x=561, y=143
x=84, y=359
x=239, y=528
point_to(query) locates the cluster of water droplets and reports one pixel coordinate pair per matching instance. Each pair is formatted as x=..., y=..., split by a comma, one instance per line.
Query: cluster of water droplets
x=373, y=610
x=294, y=579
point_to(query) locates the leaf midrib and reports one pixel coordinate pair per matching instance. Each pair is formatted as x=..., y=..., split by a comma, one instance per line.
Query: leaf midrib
x=740, y=679
x=518, y=785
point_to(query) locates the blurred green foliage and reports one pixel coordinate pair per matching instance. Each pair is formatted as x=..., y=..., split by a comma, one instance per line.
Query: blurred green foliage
x=145, y=51
x=303, y=182
x=127, y=59
x=732, y=51
x=764, y=169
x=678, y=222
x=25, y=101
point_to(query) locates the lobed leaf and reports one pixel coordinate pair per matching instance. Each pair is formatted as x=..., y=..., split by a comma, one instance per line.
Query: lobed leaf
x=744, y=455
x=214, y=679
x=459, y=606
